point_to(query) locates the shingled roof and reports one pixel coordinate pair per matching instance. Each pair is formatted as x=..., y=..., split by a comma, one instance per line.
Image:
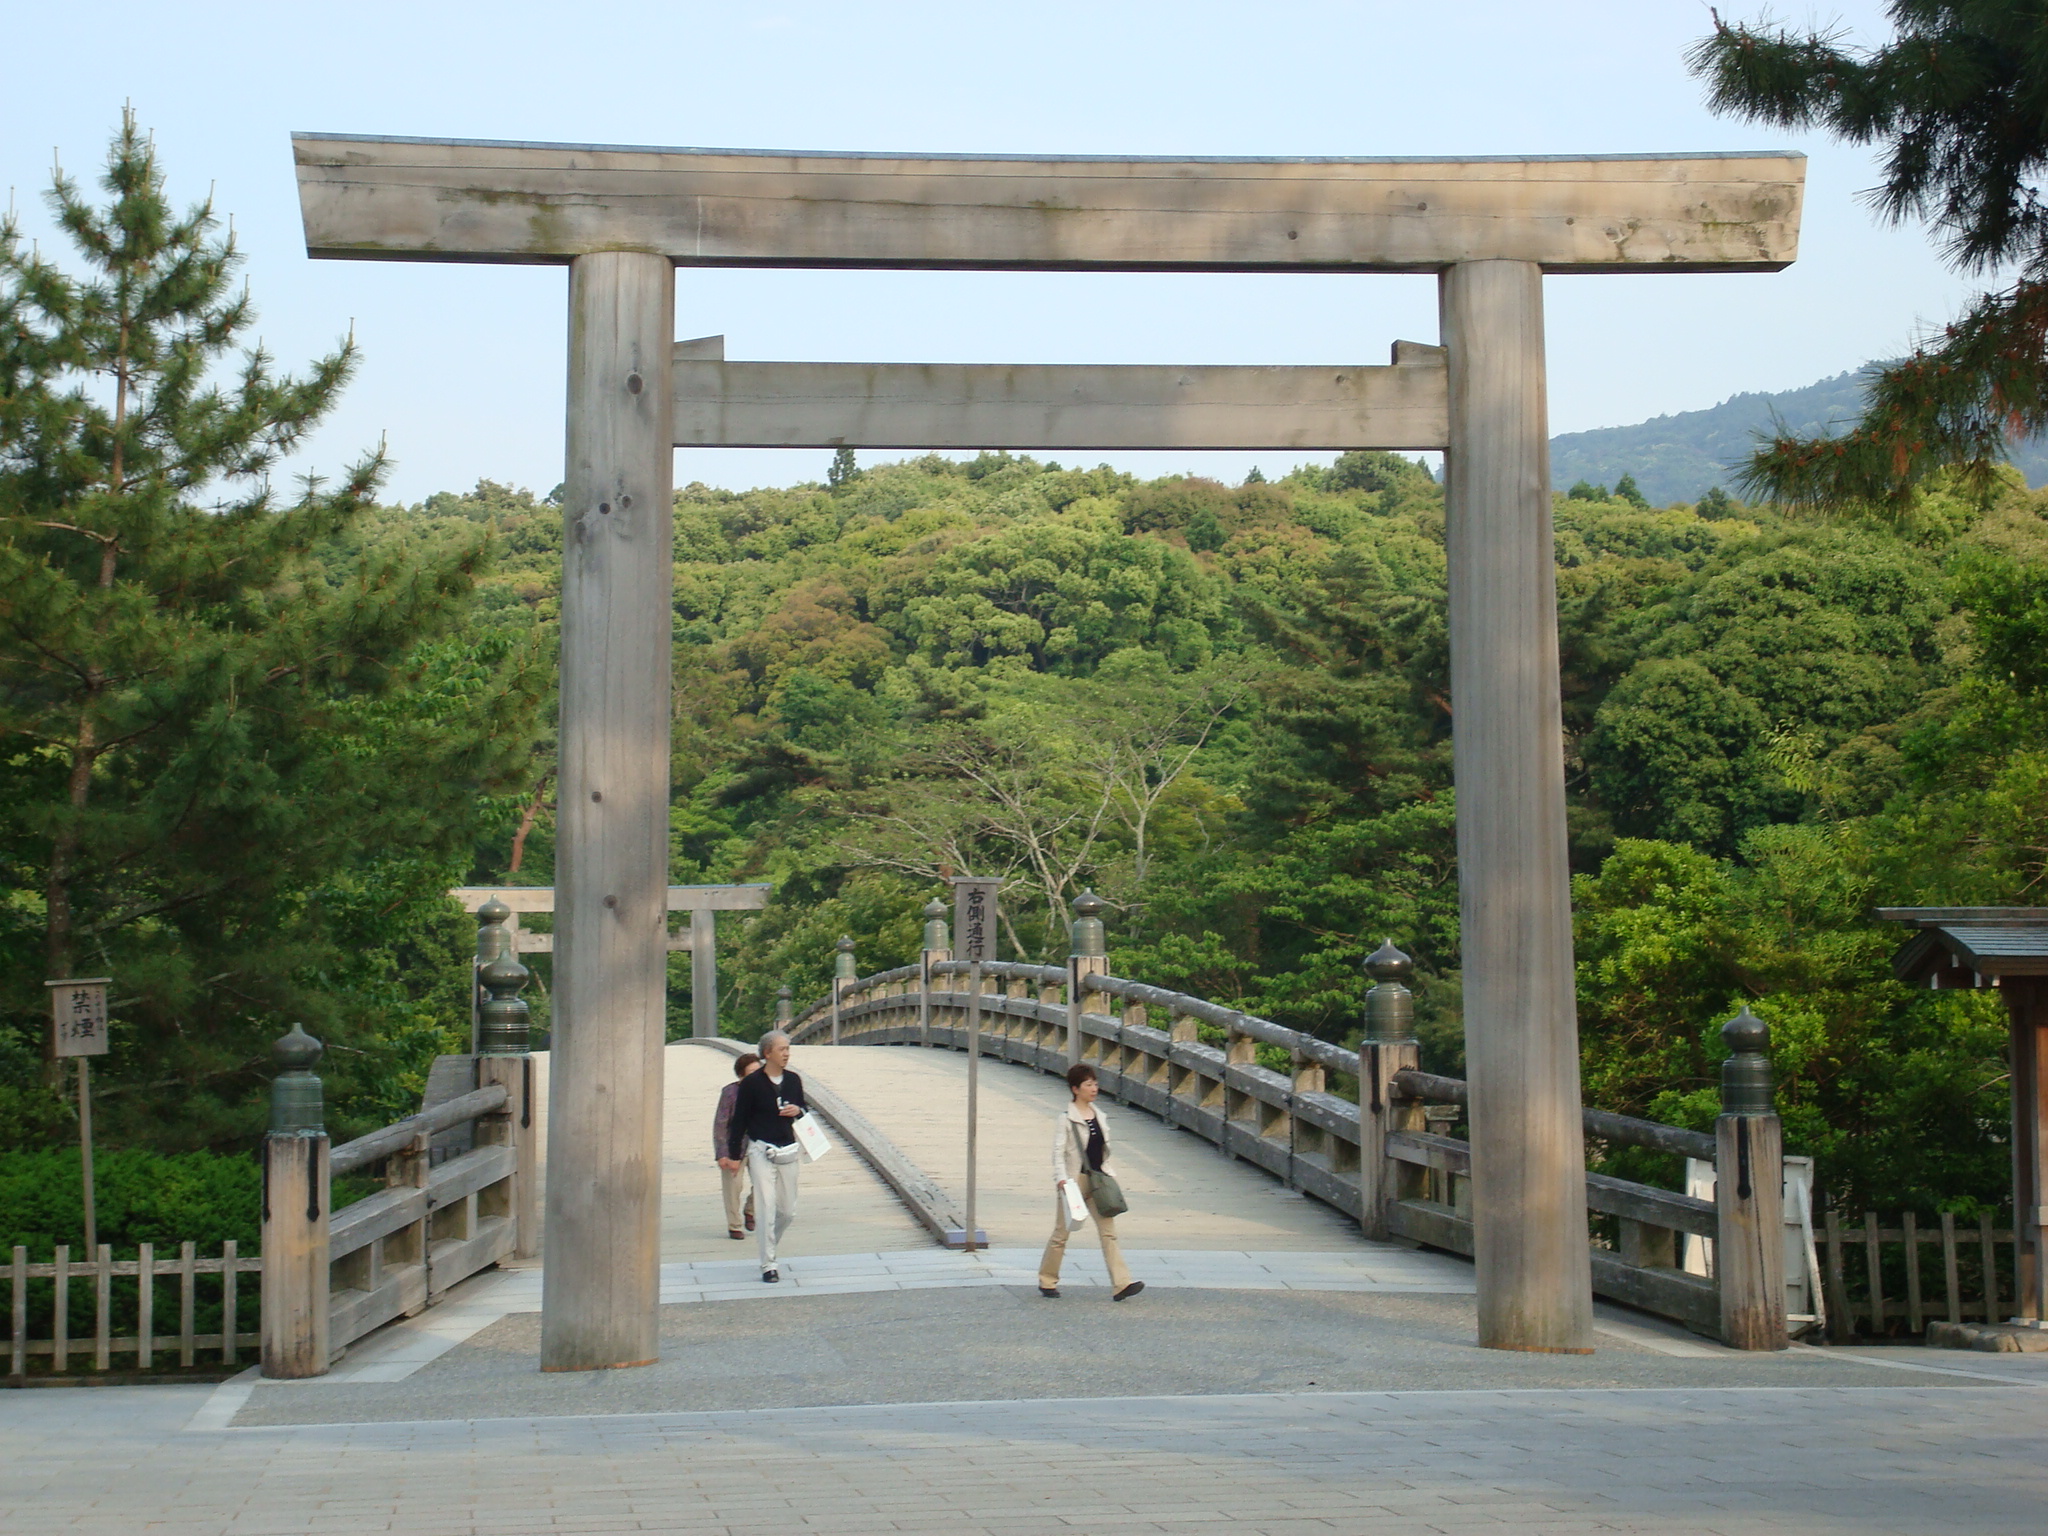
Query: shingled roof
x=1968, y=946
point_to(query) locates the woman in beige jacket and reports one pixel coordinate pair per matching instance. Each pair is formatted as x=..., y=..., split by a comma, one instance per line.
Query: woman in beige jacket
x=1080, y=1142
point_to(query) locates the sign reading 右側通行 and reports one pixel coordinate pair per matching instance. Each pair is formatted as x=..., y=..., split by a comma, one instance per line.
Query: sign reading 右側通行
x=974, y=918
x=78, y=1012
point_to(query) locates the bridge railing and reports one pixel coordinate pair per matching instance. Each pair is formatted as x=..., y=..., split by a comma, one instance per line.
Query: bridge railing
x=332, y=1276
x=1264, y=1093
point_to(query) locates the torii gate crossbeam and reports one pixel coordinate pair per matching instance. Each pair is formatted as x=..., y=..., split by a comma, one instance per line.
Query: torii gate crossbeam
x=623, y=219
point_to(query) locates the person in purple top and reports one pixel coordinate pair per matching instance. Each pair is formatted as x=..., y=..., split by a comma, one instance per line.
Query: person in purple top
x=739, y=1200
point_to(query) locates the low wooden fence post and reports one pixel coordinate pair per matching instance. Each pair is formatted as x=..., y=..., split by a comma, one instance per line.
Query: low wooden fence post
x=1088, y=955
x=1389, y=1046
x=295, y=1212
x=1749, y=1252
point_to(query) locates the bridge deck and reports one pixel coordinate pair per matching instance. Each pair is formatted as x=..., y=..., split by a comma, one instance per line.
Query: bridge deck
x=1185, y=1195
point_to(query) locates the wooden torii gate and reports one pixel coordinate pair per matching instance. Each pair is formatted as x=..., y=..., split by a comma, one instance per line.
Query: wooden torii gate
x=702, y=902
x=623, y=219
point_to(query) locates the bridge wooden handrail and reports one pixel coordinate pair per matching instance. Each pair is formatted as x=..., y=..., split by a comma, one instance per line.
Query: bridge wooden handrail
x=1625, y=1130
x=364, y=1150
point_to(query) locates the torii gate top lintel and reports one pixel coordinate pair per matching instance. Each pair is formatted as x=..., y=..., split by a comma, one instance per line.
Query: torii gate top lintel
x=466, y=200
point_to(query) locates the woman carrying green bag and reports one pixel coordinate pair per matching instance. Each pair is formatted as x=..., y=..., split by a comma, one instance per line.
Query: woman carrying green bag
x=1080, y=1161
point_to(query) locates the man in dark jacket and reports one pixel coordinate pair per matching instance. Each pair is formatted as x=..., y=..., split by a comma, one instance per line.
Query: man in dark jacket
x=762, y=1138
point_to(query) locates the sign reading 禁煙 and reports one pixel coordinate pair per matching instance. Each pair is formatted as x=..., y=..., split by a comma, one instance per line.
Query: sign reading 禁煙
x=974, y=918
x=78, y=1016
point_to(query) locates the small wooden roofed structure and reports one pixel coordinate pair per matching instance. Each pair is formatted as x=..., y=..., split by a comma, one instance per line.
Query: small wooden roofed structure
x=2005, y=947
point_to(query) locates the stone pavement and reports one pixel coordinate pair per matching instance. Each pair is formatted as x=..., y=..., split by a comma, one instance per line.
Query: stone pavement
x=1279, y=1374
x=1960, y=1459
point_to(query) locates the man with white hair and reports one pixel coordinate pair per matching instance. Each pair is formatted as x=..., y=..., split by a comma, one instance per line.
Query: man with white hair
x=762, y=1138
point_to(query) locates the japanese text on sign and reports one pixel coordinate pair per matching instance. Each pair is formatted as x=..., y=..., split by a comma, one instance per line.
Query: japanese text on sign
x=974, y=919
x=78, y=1013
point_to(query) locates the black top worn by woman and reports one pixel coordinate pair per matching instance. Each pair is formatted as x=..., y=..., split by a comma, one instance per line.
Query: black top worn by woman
x=756, y=1111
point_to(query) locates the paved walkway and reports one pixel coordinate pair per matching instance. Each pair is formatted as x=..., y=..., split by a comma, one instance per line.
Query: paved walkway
x=1280, y=1374
x=1184, y=1193
x=1959, y=1459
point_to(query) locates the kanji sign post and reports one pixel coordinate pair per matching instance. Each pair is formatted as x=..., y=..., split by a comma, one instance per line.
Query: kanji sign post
x=974, y=940
x=78, y=1027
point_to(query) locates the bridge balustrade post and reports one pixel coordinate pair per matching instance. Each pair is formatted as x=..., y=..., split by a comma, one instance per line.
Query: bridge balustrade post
x=1388, y=1046
x=782, y=1007
x=294, y=1290
x=495, y=929
x=1087, y=955
x=1749, y=1183
x=504, y=1038
x=938, y=946
x=843, y=971
x=1188, y=1088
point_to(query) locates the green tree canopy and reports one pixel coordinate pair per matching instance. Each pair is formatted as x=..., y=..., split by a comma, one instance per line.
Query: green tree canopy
x=221, y=738
x=1958, y=98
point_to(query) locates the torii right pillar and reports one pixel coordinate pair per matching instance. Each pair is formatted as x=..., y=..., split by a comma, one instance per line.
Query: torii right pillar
x=1534, y=1271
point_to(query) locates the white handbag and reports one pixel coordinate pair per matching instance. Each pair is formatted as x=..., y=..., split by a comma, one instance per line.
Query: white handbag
x=811, y=1137
x=1076, y=1207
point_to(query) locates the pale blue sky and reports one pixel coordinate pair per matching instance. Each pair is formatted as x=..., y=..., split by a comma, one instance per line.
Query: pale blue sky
x=463, y=364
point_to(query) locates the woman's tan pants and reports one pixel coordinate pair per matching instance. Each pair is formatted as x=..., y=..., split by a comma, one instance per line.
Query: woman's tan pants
x=739, y=1199
x=1056, y=1248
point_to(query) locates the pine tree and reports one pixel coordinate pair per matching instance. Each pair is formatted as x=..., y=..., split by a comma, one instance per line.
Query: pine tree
x=211, y=710
x=844, y=470
x=1959, y=98
x=1626, y=489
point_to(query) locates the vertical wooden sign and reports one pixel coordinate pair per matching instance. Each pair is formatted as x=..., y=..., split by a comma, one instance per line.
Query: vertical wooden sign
x=78, y=1027
x=78, y=1016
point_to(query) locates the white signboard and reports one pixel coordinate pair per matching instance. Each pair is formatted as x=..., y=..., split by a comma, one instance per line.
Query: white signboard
x=974, y=918
x=78, y=1011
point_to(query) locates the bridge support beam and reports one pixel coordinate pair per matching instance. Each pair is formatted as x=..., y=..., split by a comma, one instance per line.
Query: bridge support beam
x=601, y=1281
x=1521, y=1021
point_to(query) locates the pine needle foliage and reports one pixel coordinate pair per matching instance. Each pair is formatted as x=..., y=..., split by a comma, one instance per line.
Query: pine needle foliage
x=1959, y=100
x=216, y=717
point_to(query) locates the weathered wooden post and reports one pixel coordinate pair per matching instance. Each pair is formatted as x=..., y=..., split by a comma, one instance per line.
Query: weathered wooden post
x=704, y=975
x=843, y=971
x=1087, y=955
x=295, y=1212
x=601, y=1290
x=1531, y=1260
x=1749, y=1180
x=504, y=1033
x=782, y=1008
x=938, y=945
x=1388, y=1046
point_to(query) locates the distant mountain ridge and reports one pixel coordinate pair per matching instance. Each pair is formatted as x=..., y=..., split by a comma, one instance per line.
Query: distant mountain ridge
x=1677, y=458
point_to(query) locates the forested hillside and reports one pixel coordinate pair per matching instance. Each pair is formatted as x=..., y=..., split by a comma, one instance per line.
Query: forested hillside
x=1683, y=455
x=1226, y=709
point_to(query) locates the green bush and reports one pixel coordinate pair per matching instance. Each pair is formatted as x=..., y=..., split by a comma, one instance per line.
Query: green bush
x=140, y=1197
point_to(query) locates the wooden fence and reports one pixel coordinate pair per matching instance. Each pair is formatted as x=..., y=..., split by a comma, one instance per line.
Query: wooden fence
x=389, y=1255
x=147, y=1271
x=1261, y=1091
x=1878, y=1279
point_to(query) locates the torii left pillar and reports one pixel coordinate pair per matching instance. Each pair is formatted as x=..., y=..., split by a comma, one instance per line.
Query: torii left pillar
x=601, y=1281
